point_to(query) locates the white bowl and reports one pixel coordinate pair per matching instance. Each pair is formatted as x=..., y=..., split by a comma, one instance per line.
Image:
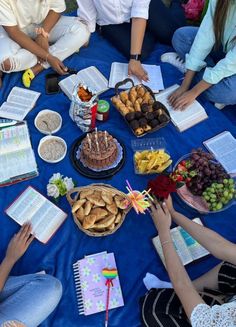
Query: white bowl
x=43, y=112
x=48, y=138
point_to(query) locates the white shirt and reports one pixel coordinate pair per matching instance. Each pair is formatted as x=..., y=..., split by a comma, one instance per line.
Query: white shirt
x=107, y=12
x=217, y=316
x=24, y=13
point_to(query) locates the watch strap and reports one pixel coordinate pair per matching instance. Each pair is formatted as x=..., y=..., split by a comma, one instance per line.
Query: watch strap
x=135, y=57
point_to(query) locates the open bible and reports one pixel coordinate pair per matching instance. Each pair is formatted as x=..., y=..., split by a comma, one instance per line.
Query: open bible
x=19, y=102
x=187, y=247
x=44, y=216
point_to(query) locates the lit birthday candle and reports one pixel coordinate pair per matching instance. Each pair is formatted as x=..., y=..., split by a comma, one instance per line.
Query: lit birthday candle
x=89, y=141
x=106, y=141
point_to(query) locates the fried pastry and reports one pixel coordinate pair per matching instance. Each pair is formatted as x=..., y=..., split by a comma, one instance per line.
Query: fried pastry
x=107, y=197
x=120, y=202
x=80, y=214
x=89, y=221
x=87, y=208
x=112, y=208
x=99, y=213
x=83, y=194
x=96, y=200
x=124, y=96
x=105, y=222
x=77, y=205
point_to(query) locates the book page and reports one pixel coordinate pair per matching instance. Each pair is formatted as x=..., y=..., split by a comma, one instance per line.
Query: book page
x=68, y=84
x=197, y=251
x=19, y=103
x=24, y=97
x=44, y=216
x=92, y=77
x=15, y=147
x=119, y=72
x=179, y=244
x=182, y=119
x=223, y=147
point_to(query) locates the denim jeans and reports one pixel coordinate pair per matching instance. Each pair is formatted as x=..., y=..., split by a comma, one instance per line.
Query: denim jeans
x=29, y=299
x=223, y=92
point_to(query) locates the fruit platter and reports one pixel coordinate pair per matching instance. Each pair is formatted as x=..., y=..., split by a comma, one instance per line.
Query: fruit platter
x=205, y=185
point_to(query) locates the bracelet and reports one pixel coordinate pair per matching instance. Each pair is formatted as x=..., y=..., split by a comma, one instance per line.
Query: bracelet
x=166, y=242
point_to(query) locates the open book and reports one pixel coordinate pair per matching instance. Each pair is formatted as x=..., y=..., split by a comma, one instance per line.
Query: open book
x=17, y=160
x=19, y=102
x=187, y=118
x=187, y=248
x=33, y=207
x=91, y=286
x=223, y=147
x=90, y=76
x=119, y=72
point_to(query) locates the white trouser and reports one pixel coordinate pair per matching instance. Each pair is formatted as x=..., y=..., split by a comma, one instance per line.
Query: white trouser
x=66, y=38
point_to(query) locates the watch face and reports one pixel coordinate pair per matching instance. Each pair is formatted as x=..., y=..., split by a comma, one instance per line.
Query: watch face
x=135, y=56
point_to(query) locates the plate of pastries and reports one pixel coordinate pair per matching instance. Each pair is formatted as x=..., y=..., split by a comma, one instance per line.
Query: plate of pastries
x=140, y=110
x=98, y=209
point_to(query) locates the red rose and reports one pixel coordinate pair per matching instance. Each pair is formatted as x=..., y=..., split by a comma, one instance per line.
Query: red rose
x=162, y=186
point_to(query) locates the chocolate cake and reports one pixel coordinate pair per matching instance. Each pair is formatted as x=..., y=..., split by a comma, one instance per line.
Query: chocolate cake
x=96, y=152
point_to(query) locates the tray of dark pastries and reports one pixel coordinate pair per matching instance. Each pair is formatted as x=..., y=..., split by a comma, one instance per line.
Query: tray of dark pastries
x=140, y=110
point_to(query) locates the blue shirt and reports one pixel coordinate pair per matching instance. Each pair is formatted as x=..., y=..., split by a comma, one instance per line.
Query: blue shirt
x=205, y=41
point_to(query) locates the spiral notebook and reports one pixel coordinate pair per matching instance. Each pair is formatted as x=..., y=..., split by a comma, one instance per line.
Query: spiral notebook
x=90, y=285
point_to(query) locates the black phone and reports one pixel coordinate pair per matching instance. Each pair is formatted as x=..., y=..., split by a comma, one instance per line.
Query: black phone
x=52, y=86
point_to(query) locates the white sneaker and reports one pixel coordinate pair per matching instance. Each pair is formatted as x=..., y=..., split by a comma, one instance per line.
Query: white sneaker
x=219, y=105
x=173, y=59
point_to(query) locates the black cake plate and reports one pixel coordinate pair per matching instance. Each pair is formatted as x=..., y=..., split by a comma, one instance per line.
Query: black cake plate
x=89, y=173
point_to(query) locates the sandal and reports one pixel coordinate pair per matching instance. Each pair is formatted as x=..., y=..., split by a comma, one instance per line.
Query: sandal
x=27, y=77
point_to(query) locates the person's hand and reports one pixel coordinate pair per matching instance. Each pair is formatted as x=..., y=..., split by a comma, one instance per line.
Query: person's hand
x=135, y=68
x=169, y=204
x=176, y=94
x=57, y=65
x=19, y=243
x=42, y=42
x=184, y=100
x=161, y=217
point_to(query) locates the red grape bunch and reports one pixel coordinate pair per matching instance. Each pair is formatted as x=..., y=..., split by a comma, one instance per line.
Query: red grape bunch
x=207, y=172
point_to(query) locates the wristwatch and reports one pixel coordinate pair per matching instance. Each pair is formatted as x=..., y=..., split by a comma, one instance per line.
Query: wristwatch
x=135, y=57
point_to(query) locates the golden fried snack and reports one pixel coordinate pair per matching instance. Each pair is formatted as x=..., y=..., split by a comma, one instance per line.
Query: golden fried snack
x=129, y=103
x=89, y=221
x=77, y=205
x=123, y=109
x=118, y=218
x=96, y=200
x=124, y=96
x=87, y=208
x=107, y=197
x=105, y=222
x=137, y=106
x=120, y=202
x=111, y=227
x=146, y=97
x=140, y=91
x=99, y=213
x=140, y=100
x=133, y=93
x=116, y=100
x=112, y=208
x=80, y=214
x=83, y=194
x=151, y=161
x=131, y=109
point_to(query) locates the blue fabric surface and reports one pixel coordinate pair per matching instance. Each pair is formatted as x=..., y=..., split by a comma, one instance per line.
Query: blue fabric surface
x=131, y=244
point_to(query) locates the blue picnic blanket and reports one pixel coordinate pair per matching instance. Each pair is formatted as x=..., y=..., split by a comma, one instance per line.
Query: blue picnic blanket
x=131, y=244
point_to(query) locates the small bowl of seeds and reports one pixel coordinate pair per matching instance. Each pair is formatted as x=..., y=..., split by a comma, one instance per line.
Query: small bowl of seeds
x=48, y=121
x=52, y=149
